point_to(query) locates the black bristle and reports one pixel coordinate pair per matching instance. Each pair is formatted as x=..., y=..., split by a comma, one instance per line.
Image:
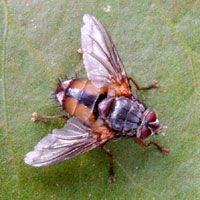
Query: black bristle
x=53, y=93
x=64, y=78
x=59, y=81
x=53, y=98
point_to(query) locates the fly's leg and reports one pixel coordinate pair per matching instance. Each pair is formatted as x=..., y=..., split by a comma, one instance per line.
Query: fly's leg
x=105, y=135
x=154, y=84
x=111, y=171
x=80, y=51
x=165, y=151
x=38, y=117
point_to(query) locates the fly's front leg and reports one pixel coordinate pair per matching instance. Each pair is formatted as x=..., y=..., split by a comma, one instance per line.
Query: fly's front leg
x=111, y=171
x=38, y=117
x=165, y=151
x=154, y=84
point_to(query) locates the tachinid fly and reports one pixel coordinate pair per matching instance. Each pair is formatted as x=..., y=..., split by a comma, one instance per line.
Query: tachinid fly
x=102, y=107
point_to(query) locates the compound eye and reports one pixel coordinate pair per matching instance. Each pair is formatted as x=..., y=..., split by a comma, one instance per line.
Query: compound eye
x=145, y=132
x=151, y=116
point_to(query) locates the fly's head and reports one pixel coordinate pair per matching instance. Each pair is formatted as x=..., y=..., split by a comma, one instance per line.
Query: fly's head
x=150, y=125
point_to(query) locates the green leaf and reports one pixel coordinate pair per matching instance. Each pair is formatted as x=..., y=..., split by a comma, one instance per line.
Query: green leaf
x=156, y=40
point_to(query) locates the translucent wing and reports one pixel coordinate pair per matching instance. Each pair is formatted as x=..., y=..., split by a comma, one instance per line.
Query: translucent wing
x=62, y=144
x=100, y=56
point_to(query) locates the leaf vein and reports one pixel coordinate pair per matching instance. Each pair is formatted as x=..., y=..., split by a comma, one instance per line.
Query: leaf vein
x=135, y=183
x=4, y=92
x=30, y=45
x=187, y=48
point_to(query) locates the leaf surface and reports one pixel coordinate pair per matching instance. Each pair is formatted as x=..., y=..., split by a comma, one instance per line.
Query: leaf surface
x=156, y=40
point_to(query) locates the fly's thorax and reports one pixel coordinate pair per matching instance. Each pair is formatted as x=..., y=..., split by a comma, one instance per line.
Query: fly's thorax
x=119, y=89
x=121, y=114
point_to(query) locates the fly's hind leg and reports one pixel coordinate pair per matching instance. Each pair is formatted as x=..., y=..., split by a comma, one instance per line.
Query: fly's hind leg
x=111, y=171
x=154, y=84
x=80, y=51
x=165, y=151
x=36, y=117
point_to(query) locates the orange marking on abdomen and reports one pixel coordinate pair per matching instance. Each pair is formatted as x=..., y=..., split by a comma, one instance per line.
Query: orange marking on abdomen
x=91, y=89
x=84, y=113
x=80, y=99
x=78, y=84
x=70, y=105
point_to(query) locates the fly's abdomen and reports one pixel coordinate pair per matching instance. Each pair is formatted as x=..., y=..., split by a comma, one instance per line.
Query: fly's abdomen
x=80, y=99
x=123, y=115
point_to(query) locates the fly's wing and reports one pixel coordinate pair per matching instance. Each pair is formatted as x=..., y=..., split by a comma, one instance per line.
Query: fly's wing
x=62, y=144
x=100, y=56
